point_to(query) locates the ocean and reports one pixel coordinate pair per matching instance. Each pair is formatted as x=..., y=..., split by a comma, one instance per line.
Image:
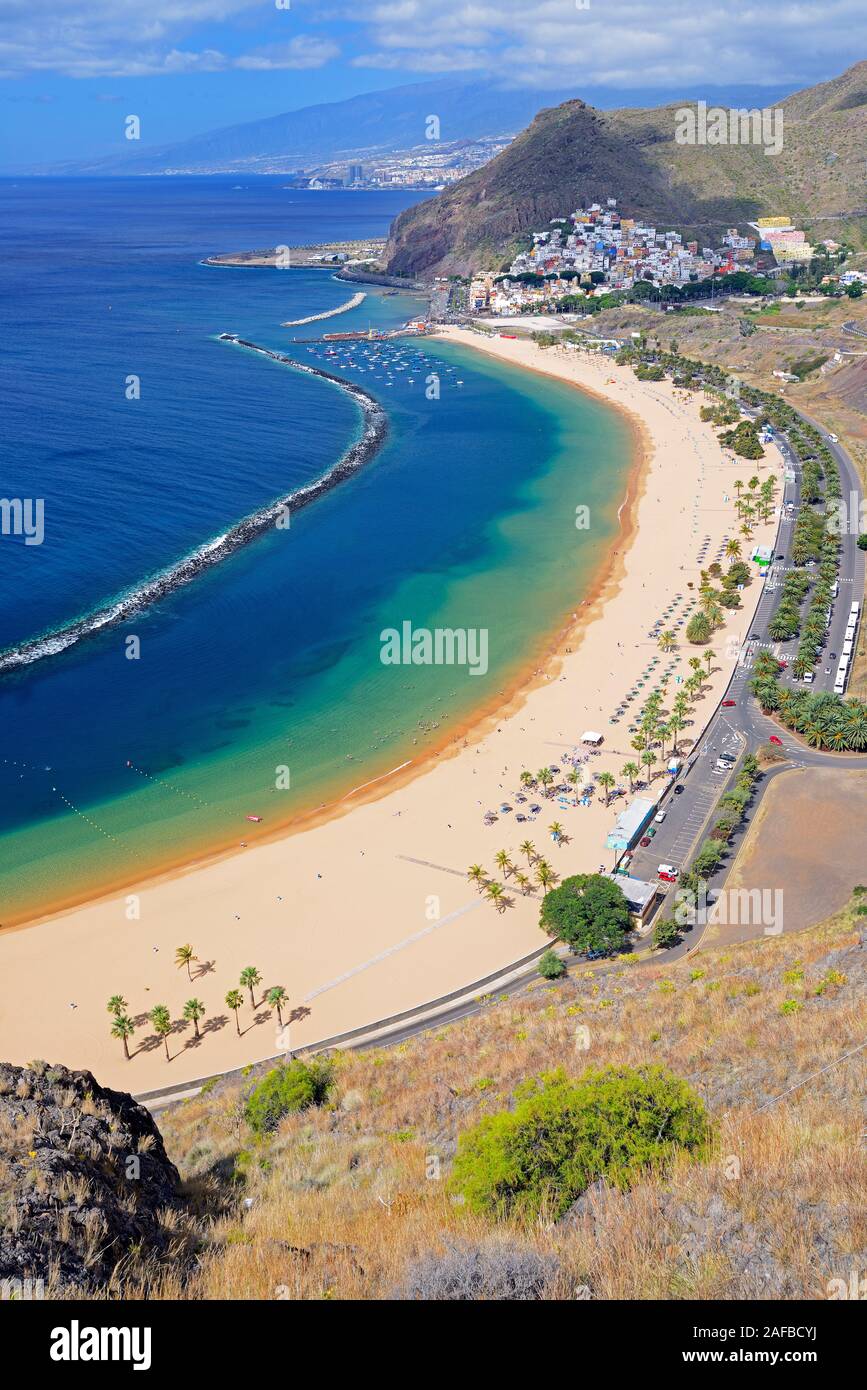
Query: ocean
x=259, y=688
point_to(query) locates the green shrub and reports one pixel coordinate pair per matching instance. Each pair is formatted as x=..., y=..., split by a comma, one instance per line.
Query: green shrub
x=290, y=1087
x=665, y=933
x=563, y=1135
x=551, y=966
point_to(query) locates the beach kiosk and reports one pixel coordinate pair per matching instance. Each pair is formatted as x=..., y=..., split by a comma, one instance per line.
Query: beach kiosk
x=763, y=555
x=591, y=737
x=630, y=823
x=640, y=897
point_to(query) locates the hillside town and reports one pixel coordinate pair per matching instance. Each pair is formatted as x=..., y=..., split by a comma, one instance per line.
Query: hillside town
x=597, y=251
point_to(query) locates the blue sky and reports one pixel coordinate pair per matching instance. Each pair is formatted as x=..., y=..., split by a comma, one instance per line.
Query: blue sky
x=72, y=70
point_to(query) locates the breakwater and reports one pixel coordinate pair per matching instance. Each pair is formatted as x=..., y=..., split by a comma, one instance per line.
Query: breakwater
x=352, y=303
x=214, y=552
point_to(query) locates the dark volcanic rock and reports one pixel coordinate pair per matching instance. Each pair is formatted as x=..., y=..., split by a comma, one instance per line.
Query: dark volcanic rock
x=85, y=1183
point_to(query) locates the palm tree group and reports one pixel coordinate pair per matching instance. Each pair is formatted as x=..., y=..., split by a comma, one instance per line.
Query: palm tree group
x=122, y=1026
x=542, y=871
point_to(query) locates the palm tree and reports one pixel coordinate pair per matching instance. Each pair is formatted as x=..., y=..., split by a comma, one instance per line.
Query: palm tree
x=675, y=726
x=545, y=777
x=606, y=781
x=162, y=1025
x=278, y=999
x=648, y=757
x=476, y=875
x=250, y=977
x=523, y=883
x=544, y=875
x=123, y=1028
x=556, y=830
x=194, y=1009
x=495, y=892
x=117, y=1005
x=733, y=549
x=708, y=656
x=234, y=1000
x=184, y=957
x=527, y=779
x=503, y=862
x=667, y=640
x=630, y=770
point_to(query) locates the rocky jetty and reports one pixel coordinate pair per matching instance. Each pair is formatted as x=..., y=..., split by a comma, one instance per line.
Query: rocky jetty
x=275, y=515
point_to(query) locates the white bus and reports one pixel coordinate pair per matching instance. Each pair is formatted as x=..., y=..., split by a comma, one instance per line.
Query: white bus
x=847, y=649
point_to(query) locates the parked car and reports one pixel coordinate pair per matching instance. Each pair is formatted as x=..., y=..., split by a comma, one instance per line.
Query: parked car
x=660, y=817
x=667, y=872
x=774, y=739
x=644, y=841
x=679, y=789
x=729, y=704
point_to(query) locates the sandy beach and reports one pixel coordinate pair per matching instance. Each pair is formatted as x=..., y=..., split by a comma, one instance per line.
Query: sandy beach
x=369, y=912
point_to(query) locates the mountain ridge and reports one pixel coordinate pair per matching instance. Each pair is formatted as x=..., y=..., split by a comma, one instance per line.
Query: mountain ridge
x=574, y=152
x=383, y=121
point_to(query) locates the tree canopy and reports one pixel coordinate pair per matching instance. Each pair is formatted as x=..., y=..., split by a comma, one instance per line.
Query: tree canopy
x=589, y=912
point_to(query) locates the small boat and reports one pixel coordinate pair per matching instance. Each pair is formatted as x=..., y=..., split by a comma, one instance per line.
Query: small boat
x=254, y=818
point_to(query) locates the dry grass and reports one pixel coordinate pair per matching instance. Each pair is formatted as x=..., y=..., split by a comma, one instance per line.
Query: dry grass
x=340, y=1201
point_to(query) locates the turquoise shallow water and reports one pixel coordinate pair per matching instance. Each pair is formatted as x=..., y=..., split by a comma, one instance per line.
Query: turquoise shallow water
x=266, y=671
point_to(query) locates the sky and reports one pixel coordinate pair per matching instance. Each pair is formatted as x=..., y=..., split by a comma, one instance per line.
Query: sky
x=72, y=70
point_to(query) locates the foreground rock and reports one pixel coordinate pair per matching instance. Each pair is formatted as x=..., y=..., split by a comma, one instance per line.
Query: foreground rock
x=86, y=1188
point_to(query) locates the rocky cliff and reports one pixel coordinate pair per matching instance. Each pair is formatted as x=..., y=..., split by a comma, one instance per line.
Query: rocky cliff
x=87, y=1193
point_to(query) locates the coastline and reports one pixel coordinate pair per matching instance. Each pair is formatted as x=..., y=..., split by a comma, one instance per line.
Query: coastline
x=542, y=663
x=399, y=966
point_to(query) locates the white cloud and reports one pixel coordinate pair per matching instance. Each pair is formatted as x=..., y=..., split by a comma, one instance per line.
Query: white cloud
x=532, y=42
x=139, y=38
x=300, y=52
x=617, y=42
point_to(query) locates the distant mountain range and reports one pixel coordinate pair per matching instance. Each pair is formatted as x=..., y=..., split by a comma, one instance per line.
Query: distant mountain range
x=573, y=153
x=376, y=123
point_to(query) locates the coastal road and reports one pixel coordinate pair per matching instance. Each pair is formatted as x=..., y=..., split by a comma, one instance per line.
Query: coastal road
x=744, y=727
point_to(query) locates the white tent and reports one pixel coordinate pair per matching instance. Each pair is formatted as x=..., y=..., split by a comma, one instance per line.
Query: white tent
x=590, y=736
